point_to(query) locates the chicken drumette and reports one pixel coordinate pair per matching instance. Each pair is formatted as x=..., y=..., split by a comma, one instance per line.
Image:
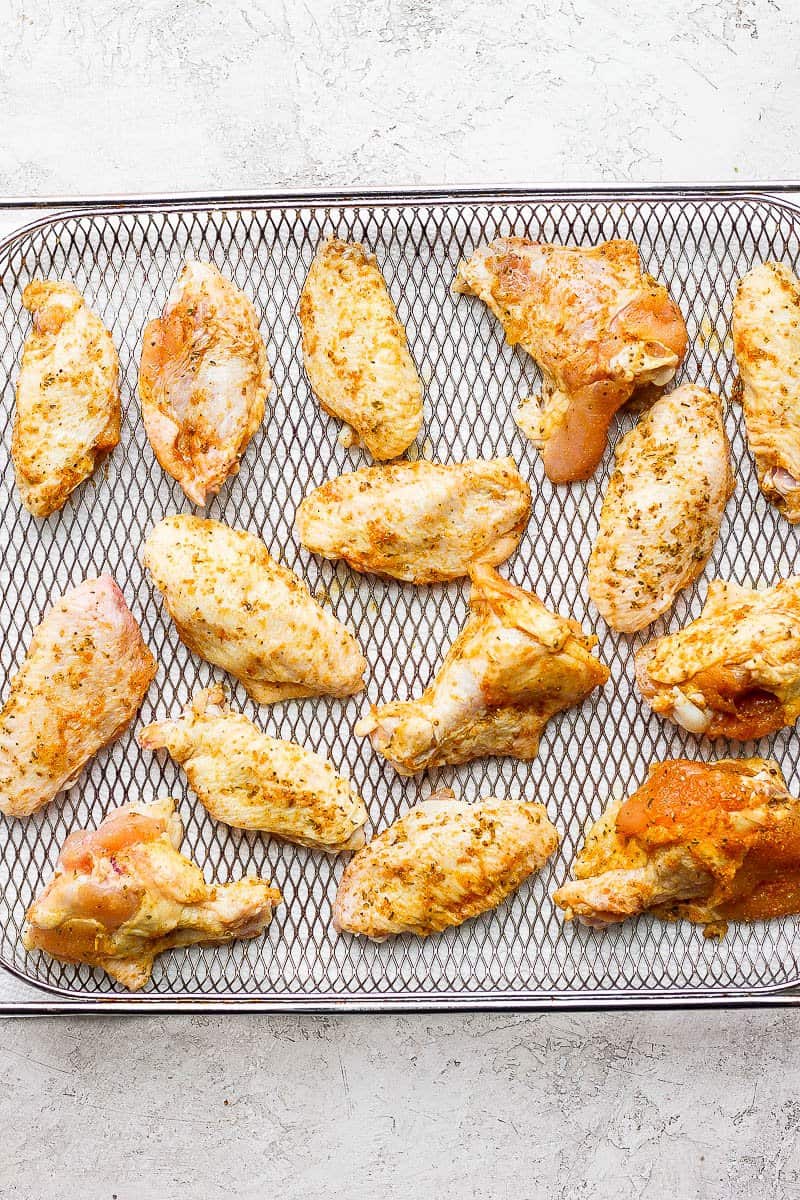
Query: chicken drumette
x=123, y=893
x=735, y=671
x=596, y=325
x=513, y=666
x=711, y=842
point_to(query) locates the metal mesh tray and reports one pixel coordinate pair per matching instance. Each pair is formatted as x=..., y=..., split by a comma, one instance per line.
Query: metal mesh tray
x=125, y=258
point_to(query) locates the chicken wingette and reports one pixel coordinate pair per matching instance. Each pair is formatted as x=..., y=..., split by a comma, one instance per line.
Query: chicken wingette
x=236, y=607
x=513, y=666
x=68, y=410
x=252, y=781
x=83, y=679
x=766, y=341
x=355, y=350
x=662, y=510
x=711, y=842
x=123, y=893
x=421, y=522
x=203, y=380
x=598, y=328
x=442, y=863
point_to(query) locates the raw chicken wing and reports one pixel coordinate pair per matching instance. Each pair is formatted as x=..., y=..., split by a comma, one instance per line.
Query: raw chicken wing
x=252, y=781
x=203, y=380
x=510, y=669
x=123, y=893
x=766, y=341
x=662, y=510
x=442, y=863
x=84, y=677
x=710, y=842
x=418, y=521
x=68, y=411
x=239, y=609
x=734, y=672
x=598, y=328
x=355, y=350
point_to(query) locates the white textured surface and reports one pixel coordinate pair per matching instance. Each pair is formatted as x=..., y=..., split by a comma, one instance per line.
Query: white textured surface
x=473, y=1108
x=109, y=95
x=114, y=96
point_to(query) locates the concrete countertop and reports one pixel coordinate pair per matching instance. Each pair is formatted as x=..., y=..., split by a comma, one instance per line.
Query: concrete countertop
x=172, y=95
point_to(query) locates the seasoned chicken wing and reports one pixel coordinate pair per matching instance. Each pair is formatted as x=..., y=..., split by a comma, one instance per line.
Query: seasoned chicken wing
x=512, y=667
x=734, y=672
x=355, y=350
x=123, y=893
x=598, y=328
x=239, y=609
x=68, y=411
x=710, y=842
x=418, y=521
x=252, y=781
x=203, y=380
x=442, y=863
x=766, y=341
x=84, y=677
x=662, y=510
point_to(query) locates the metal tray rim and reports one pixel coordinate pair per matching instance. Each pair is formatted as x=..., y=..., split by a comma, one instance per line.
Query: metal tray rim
x=54, y=208
x=525, y=189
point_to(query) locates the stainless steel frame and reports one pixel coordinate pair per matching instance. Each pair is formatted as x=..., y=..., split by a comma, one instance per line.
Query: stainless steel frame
x=124, y=253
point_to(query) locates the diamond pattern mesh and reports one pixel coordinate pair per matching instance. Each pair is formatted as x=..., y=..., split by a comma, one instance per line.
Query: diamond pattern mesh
x=125, y=261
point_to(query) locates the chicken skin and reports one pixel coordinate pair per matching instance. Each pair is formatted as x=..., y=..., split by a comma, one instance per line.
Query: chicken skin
x=242, y=611
x=442, y=863
x=418, y=521
x=663, y=508
x=84, y=677
x=123, y=893
x=68, y=412
x=598, y=328
x=252, y=781
x=734, y=672
x=355, y=350
x=203, y=380
x=711, y=842
x=512, y=667
x=766, y=341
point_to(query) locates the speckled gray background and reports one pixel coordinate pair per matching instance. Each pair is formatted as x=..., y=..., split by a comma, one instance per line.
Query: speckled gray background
x=116, y=96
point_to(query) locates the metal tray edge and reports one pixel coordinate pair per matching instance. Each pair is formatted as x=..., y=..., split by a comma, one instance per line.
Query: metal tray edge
x=47, y=208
